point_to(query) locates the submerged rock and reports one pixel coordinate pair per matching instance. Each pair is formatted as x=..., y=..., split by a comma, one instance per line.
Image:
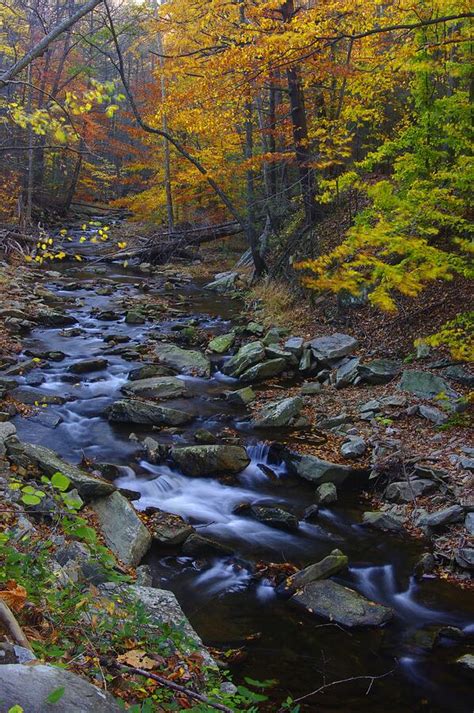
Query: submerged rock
x=87, y=365
x=49, y=463
x=272, y=516
x=124, y=532
x=278, y=414
x=199, y=546
x=341, y=605
x=146, y=412
x=186, y=361
x=30, y=685
x=158, y=387
x=210, y=459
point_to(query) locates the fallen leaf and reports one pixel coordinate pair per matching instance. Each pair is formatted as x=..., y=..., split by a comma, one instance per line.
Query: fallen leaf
x=14, y=595
x=138, y=659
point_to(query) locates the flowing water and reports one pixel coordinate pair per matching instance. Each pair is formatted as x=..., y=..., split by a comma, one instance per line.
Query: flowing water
x=227, y=601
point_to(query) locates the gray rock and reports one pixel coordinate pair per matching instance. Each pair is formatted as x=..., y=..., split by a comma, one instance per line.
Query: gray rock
x=155, y=452
x=272, y=516
x=311, y=388
x=6, y=431
x=465, y=557
x=123, y=531
x=51, y=318
x=370, y=406
x=332, y=421
x=327, y=567
x=31, y=396
x=341, y=605
x=294, y=345
x=346, y=373
x=204, y=437
x=441, y=518
x=254, y=328
x=222, y=343
x=433, y=414
x=47, y=419
x=157, y=387
x=199, y=546
x=242, y=397
x=326, y=493
x=466, y=662
x=469, y=523
x=382, y=521
x=278, y=414
x=134, y=316
x=210, y=460
x=460, y=375
x=184, y=360
x=147, y=371
x=275, y=352
x=273, y=336
x=167, y=528
x=320, y=471
x=264, y=370
x=379, y=371
x=30, y=685
x=403, y=492
x=12, y=653
x=223, y=282
x=466, y=463
x=49, y=463
x=425, y=564
x=354, y=447
x=334, y=346
x=424, y=384
x=306, y=361
x=146, y=412
x=144, y=576
x=247, y=356
x=87, y=365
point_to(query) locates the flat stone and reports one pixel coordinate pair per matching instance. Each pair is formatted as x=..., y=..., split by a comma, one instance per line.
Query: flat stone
x=49, y=463
x=147, y=371
x=186, y=361
x=167, y=528
x=334, y=346
x=222, y=343
x=278, y=414
x=264, y=370
x=460, y=375
x=382, y=521
x=210, y=459
x=441, y=518
x=123, y=531
x=30, y=685
x=32, y=397
x=147, y=413
x=247, y=356
x=318, y=471
x=379, y=371
x=341, y=605
x=156, y=387
x=294, y=345
x=403, y=492
x=51, y=318
x=424, y=384
x=333, y=421
x=347, y=373
x=433, y=414
x=87, y=365
x=327, y=567
x=271, y=516
x=198, y=546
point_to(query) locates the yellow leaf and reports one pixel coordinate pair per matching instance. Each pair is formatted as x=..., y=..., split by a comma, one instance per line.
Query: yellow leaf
x=138, y=659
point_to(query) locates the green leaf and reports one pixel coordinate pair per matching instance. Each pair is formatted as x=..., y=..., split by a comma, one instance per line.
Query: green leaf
x=16, y=709
x=60, y=482
x=56, y=695
x=30, y=499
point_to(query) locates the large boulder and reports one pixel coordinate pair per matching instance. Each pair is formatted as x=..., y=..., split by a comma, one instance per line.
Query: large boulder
x=210, y=459
x=379, y=371
x=327, y=567
x=147, y=413
x=318, y=471
x=341, y=605
x=424, y=384
x=30, y=685
x=264, y=370
x=248, y=355
x=332, y=347
x=156, y=387
x=278, y=414
x=124, y=532
x=186, y=361
x=88, y=486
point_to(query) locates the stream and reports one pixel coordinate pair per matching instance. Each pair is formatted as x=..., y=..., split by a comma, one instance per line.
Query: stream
x=226, y=603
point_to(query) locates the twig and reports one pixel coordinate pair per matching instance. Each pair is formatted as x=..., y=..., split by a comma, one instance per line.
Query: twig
x=174, y=686
x=12, y=627
x=322, y=688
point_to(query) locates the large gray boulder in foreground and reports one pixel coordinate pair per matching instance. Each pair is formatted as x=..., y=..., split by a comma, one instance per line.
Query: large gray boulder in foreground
x=147, y=413
x=49, y=462
x=210, y=460
x=341, y=605
x=124, y=532
x=30, y=685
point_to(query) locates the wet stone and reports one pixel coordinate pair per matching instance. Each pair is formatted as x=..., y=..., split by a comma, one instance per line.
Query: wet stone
x=326, y=493
x=87, y=365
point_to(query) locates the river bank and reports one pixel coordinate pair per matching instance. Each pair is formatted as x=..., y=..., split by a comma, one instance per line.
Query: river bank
x=233, y=446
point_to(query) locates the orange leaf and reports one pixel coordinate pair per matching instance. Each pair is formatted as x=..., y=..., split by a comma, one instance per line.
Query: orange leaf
x=14, y=595
x=138, y=659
